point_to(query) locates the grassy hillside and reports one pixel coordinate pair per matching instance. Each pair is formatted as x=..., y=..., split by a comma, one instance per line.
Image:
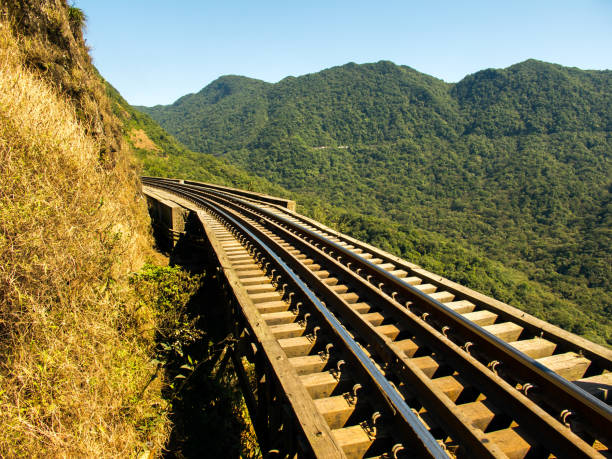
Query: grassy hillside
x=514, y=162
x=160, y=154
x=77, y=375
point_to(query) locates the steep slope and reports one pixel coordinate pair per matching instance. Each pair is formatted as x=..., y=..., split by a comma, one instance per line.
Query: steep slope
x=514, y=161
x=76, y=372
x=228, y=113
x=52, y=45
x=160, y=154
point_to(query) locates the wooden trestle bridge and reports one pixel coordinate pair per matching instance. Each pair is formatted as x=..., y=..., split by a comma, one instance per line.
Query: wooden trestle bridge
x=358, y=353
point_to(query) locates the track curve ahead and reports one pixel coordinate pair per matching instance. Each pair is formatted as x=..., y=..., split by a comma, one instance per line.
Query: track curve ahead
x=421, y=365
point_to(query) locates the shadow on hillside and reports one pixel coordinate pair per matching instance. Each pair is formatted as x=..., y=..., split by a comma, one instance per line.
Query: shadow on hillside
x=206, y=403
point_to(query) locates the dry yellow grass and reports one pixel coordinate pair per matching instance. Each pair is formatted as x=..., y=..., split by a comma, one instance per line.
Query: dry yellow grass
x=74, y=376
x=52, y=45
x=140, y=139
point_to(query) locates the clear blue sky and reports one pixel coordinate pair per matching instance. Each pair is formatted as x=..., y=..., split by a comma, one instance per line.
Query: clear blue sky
x=155, y=51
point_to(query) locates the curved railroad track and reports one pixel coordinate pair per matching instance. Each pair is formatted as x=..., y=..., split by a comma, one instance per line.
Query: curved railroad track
x=399, y=361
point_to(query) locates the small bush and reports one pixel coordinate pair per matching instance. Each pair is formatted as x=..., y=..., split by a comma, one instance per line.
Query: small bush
x=165, y=291
x=76, y=17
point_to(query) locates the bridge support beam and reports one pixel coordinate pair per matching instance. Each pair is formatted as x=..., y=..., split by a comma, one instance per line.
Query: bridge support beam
x=168, y=219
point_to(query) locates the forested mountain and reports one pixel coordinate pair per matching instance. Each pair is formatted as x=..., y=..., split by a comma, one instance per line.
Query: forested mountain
x=535, y=97
x=514, y=163
x=384, y=102
x=160, y=154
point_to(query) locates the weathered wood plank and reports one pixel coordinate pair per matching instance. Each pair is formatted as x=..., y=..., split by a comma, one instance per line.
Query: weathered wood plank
x=568, y=365
x=535, y=347
x=315, y=428
x=508, y=331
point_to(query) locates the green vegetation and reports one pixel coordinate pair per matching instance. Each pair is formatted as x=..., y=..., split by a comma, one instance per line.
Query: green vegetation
x=77, y=17
x=511, y=165
x=206, y=407
x=162, y=155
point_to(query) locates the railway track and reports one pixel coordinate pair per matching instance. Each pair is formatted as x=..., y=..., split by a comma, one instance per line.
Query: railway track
x=398, y=361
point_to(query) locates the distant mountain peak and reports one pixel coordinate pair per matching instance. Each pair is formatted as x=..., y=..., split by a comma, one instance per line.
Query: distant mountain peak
x=382, y=101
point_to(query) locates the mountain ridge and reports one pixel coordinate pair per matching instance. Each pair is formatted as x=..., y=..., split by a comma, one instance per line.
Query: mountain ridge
x=473, y=105
x=514, y=161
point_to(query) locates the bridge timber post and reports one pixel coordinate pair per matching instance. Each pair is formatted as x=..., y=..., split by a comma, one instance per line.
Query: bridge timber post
x=168, y=219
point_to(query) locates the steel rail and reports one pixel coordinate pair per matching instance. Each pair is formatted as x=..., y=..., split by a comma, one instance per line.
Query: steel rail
x=602, y=357
x=425, y=443
x=560, y=444
x=549, y=437
x=423, y=297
